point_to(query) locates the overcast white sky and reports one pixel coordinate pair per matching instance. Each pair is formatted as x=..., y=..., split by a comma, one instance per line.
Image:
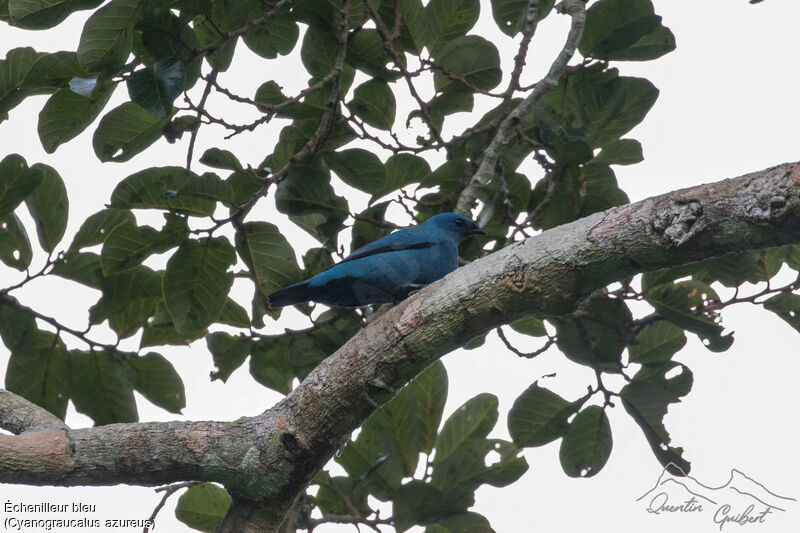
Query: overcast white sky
x=728, y=106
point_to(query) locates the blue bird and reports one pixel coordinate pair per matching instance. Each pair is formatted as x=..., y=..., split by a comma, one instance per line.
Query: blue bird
x=386, y=270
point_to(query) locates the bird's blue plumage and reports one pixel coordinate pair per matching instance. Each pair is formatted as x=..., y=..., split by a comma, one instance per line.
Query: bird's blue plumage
x=388, y=269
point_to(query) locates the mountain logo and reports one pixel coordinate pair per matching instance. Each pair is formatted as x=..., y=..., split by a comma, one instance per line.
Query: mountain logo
x=741, y=500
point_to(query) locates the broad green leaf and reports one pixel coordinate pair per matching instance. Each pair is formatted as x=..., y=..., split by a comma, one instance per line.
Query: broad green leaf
x=587, y=443
x=787, y=306
x=416, y=413
x=128, y=300
x=318, y=52
x=160, y=330
x=307, y=189
x=54, y=70
x=127, y=245
x=598, y=339
x=656, y=343
x=157, y=380
x=228, y=352
x=646, y=399
x=234, y=314
x=467, y=522
x=613, y=28
x=655, y=44
x=15, y=247
x=365, y=52
x=412, y=22
x=217, y=158
x=268, y=255
x=269, y=364
x=340, y=495
x=66, y=114
x=42, y=14
x=102, y=387
x=17, y=325
x=17, y=181
x=374, y=103
x=96, y=228
x=402, y=170
x=510, y=14
x=80, y=267
x=416, y=502
x=107, y=36
x=49, y=207
x=539, y=416
x=173, y=188
x=620, y=152
x=447, y=20
x=529, y=325
x=197, y=281
x=474, y=419
x=468, y=467
x=13, y=71
x=277, y=37
x=39, y=371
x=126, y=131
x=473, y=58
x=154, y=88
x=369, y=226
x=358, y=168
x=203, y=506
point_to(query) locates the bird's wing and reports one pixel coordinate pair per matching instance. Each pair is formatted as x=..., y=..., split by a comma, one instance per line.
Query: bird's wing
x=361, y=252
x=405, y=239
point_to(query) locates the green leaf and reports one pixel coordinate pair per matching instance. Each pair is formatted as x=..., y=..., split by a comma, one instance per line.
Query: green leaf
x=467, y=522
x=598, y=339
x=270, y=40
x=127, y=245
x=15, y=247
x=197, y=281
x=474, y=419
x=80, y=267
x=471, y=57
x=13, y=71
x=416, y=413
x=268, y=255
x=160, y=329
x=228, y=352
x=468, y=467
x=269, y=364
x=234, y=314
x=787, y=306
x=125, y=131
x=54, y=70
x=39, y=370
x=402, y=170
x=163, y=188
x=203, y=506
x=614, y=28
x=128, y=300
x=49, y=207
x=587, y=443
x=620, y=152
x=365, y=230
x=102, y=387
x=42, y=14
x=155, y=87
x=684, y=304
x=510, y=14
x=217, y=158
x=157, y=380
x=416, y=502
x=307, y=190
x=413, y=23
x=107, y=36
x=17, y=325
x=539, y=416
x=17, y=181
x=656, y=343
x=646, y=399
x=318, y=52
x=66, y=114
x=365, y=52
x=358, y=168
x=447, y=20
x=95, y=228
x=529, y=325
x=340, y=495
x=374, y=103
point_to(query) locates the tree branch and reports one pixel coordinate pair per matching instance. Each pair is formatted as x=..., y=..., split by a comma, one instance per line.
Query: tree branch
x=18, y=415
x=577, y=10
x=267, y=461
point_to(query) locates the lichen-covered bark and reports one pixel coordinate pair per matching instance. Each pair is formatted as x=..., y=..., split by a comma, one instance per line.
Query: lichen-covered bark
x=266, y=461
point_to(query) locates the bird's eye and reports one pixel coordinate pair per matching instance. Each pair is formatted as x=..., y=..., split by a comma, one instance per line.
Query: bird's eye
x=459, y=222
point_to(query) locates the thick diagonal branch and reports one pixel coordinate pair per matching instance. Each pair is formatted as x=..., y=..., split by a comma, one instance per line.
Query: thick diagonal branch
x=268, y=460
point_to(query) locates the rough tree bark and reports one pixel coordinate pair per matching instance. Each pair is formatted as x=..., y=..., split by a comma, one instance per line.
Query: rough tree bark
x=266, y=461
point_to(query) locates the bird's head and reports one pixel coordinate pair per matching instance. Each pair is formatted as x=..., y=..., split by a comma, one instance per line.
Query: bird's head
x=455, y=224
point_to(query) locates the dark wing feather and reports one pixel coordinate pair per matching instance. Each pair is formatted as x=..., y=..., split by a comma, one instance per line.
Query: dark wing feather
x=358, y=254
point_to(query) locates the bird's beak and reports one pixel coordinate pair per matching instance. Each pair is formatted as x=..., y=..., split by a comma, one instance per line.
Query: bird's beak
x=476, y=231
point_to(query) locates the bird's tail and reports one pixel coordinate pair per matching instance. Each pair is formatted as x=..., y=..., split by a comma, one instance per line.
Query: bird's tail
x=290, y=295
